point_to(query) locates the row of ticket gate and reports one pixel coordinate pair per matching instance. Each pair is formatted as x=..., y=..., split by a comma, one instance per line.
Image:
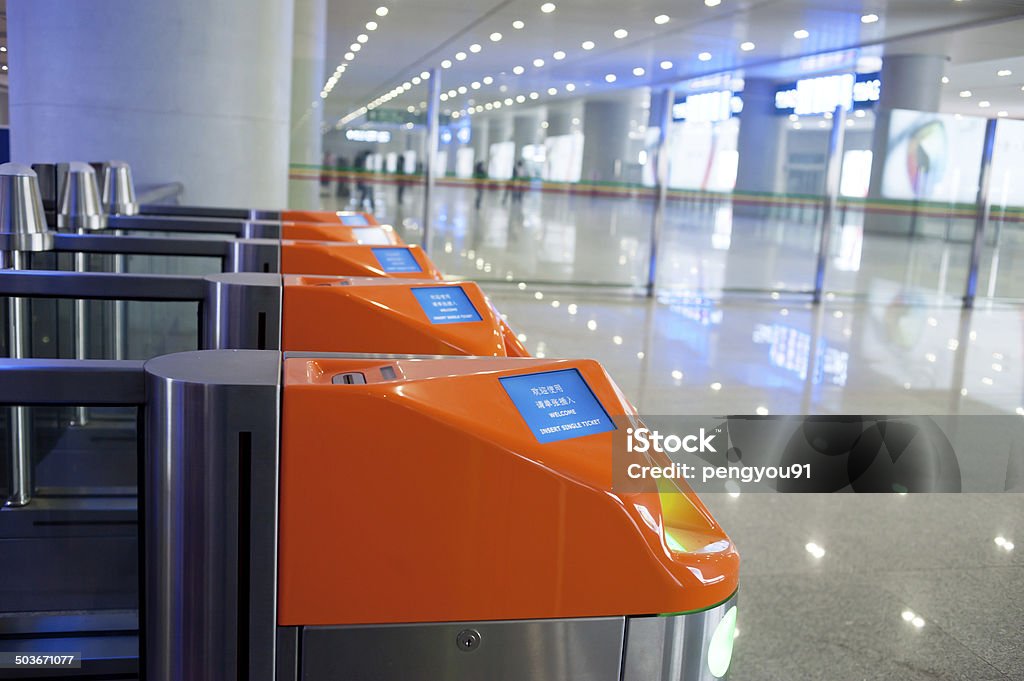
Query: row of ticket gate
x=355, y=472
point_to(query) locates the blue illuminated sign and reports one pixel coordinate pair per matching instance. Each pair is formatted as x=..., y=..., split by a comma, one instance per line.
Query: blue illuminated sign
x=557, y=405
x=355, y=220
x=396, y=260
x=811, y=96
x=446, y=305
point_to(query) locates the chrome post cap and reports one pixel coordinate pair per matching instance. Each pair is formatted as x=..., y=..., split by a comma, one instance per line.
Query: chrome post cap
x=119, y=189
x=22, y=220
x=80, y=206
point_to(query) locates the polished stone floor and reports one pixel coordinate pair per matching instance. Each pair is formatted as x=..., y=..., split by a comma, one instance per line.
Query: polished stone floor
x=909, y=586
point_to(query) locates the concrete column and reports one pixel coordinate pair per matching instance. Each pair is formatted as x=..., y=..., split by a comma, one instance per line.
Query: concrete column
x=762, y=140
x=559, y=120
x=479, y=138
x=526, y=130
x=188, y=91
x=605, y=139
x=309, y=41
x=499, y=129
x=909, y=81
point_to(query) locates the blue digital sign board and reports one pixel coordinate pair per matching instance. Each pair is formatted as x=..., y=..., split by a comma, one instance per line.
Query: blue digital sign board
x=354, y=220
x=446, y=305
x=557, y=405
x=396, y=260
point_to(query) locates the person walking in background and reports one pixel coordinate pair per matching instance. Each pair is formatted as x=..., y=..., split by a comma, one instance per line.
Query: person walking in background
x=341, y=177
x=365, y=192
x=479, y=178
x=326, y=166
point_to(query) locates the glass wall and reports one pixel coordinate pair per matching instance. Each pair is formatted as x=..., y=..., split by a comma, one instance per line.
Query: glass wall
x=561, y=187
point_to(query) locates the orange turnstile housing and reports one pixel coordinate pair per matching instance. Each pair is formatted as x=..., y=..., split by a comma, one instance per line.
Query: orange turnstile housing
x=375, y=314
x=356, y=260
x=425, y=495
x=343, y=217
x=375, y=235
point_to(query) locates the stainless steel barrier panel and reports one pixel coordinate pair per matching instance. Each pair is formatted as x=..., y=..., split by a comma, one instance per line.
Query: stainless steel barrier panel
x=211, y=479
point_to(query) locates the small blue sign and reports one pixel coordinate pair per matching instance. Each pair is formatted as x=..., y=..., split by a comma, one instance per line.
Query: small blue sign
x=557, y=405
x=354, y=220
x=446, y=305
x=396, y=260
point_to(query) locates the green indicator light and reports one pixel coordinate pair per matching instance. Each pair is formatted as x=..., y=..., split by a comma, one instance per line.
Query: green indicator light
x=720, y=649
x=672, y=542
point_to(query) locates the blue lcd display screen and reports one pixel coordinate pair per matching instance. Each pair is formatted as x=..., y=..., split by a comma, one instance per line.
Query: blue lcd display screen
x=446, y=305
x=557, y=405
x=355, y=220
x=396, y=260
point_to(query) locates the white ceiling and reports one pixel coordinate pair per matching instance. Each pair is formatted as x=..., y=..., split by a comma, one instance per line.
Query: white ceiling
x=980, y=37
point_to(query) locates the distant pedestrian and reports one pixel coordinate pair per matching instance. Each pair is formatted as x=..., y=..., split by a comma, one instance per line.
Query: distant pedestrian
x=479, y=178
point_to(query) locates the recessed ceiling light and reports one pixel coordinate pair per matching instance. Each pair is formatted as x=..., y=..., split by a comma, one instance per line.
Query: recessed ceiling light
x=1004, y=72
x=462, y=89
x=444, y=97
x=547, y=7
x=610, y=78
x=869, y=19
x=416, y=80
x=503, y=88
x=355, y=47
x=534, y=95
x=382, y=11
x=410, y=108
x=371, y=25
x=569, y=87
x=495, y=37
x=362, y=38
x=518, y=70
x=446, y=64
x=661, y=19
x=452, y=93
x=587, y=44
x=747, y=46
x=801, y=34
x=509, y=101
x=552, y=91
x=984, y=104
x=965, y=93
x=1003, y=114
x=350, y=56
x=538, y=62
x=475, y=85
x=475, y=47
x=517, y=24
x=704, y=56
x=406, y=85
x=945, y=79
x=639, y=71
x=488, y=80
x=620, y=33
x=558, y=55
x=666, y=65
x=712, y=3
x=460, y=56
x=520, y=98
x=425, y=75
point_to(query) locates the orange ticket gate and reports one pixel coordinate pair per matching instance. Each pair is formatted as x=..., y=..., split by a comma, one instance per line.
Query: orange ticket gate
x=386, y=517
x=365, y=314
x=356, y=260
